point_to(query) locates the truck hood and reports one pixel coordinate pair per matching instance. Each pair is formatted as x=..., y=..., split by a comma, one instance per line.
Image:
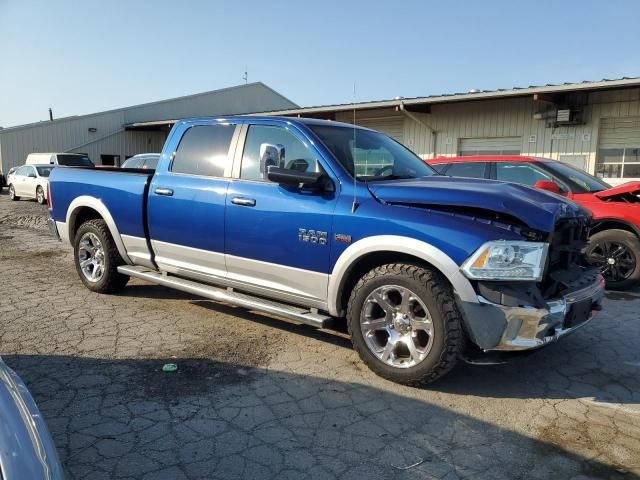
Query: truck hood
x=535, y=208
x=629, y=187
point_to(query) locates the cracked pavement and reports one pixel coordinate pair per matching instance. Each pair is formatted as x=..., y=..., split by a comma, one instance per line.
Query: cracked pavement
x=257, y=397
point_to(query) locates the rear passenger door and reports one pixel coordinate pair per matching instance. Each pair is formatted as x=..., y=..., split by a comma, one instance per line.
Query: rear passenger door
x=187, y=200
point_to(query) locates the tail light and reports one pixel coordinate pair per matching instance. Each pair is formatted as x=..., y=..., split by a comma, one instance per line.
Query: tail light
x=48, y=196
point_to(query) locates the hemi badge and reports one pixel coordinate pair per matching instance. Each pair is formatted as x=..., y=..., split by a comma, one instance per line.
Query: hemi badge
x=341, y=237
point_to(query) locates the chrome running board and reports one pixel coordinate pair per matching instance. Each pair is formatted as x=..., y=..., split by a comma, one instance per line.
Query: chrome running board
x=250, y=302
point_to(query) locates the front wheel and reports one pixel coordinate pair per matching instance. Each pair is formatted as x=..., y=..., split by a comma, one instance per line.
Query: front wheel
x=97, y=259
x=40, y=195
x=404, y=323
x=617, y=254
x=12, y=193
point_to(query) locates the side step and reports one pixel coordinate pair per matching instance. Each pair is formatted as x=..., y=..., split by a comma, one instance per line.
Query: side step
x=227, y=296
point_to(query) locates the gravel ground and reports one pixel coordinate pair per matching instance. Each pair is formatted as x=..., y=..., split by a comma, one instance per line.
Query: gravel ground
x=257, y=397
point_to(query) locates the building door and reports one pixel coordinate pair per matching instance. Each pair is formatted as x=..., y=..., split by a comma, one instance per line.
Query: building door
x=618, y=157
x=490, y=146
x=110, y=160
x=392, y=126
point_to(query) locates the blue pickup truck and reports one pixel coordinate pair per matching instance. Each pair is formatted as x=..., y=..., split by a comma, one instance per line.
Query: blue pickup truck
x=314, y=220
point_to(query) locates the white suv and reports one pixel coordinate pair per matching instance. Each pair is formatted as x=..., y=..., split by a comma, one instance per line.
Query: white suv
x=29, y=181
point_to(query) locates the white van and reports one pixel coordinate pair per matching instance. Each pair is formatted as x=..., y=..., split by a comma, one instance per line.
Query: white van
x=64, y=159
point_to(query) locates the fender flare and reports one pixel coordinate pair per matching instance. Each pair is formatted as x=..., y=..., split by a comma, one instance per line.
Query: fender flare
x=98, y=206
x=628, y=224
x=400, y=244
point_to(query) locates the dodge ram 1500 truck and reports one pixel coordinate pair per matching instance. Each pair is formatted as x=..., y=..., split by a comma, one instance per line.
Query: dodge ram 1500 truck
x=312, y=220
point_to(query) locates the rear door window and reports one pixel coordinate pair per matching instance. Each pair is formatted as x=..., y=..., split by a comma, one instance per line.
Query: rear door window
x=204, y=150
x=467, y=169
x=520, y=172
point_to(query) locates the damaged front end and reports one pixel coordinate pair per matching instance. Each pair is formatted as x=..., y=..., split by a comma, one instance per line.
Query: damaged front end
x=511, y=316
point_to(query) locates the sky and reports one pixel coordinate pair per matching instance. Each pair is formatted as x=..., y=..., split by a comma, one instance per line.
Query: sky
x=87, y=56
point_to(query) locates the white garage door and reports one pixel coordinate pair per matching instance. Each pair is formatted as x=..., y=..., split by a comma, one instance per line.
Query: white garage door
x=618, y=156
x=490, y=146
x=394, y=127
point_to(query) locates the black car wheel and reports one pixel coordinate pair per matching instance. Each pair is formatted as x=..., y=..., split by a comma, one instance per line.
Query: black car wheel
x=616, y=253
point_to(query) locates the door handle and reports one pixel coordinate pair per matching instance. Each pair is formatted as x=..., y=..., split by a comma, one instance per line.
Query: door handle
x=164, y=191
x=245, y=202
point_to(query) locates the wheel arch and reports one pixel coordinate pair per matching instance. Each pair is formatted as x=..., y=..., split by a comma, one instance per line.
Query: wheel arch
x=614, y=224
x=370, y=252
x=85, y=208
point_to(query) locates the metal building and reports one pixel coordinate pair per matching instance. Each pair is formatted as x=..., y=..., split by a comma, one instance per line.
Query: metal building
x=112, y=136
x=592, y=125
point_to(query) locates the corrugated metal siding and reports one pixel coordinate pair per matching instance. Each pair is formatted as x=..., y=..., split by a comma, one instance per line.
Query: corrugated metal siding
x=513, y=118
x=497, y=145
x=73, y=135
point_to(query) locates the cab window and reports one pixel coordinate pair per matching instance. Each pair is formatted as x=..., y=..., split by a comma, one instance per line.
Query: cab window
x=255, y=157
x=204, y=150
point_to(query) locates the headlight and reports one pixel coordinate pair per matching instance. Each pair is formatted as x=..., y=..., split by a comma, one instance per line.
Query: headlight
x=507, y=260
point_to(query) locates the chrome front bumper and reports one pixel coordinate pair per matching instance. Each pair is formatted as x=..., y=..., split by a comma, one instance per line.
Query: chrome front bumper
x=498, y=327
x=53, y=228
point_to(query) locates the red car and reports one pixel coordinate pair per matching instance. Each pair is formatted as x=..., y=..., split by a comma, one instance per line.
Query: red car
x=615, y=237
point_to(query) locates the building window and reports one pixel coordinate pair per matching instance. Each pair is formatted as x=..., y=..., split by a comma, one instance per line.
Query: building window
x=618, y=162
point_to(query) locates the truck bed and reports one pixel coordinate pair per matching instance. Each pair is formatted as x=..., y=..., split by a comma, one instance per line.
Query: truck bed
x=123, y=191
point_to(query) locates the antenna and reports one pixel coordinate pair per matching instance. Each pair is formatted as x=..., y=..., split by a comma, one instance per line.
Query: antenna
x=354, y=205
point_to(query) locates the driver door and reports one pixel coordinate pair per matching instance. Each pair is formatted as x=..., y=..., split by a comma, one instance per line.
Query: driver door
x=277, y=237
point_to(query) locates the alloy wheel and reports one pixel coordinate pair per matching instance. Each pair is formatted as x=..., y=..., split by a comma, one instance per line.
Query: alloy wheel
x=91, y=257
x=397, y=326
x=615, y=260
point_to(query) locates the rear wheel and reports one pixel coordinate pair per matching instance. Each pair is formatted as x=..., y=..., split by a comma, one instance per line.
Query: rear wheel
x=616, y=253
x=97, y=259
x=404, y=323
x=12, y=193
x=40, y=195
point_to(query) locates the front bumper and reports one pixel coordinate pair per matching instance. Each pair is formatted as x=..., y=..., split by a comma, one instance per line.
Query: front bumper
x=53, y=228
x=498, y=327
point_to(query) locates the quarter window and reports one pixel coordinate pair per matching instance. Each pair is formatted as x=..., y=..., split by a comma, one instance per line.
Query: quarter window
x=204, y=150
x=296, y=155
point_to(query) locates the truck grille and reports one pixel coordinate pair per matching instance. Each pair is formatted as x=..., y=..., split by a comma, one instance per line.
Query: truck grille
x=566, y=260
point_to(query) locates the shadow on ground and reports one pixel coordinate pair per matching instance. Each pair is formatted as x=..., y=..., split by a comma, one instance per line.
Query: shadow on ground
x=600, y=362
x=127, y=419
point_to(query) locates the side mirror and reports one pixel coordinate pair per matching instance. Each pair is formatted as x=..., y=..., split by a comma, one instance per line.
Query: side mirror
x=548, y=185
x=295, y=178
x=270, y=156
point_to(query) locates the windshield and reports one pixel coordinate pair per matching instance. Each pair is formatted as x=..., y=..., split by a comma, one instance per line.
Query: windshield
x=71, y=160
x=372, y=155
x=580, y=181
x=44, y=171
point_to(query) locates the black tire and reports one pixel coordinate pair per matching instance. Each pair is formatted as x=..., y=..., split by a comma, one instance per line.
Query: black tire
x=40, y=196
x=622, y=248
x=437, y=295
x=111, y=281
x=12, y=194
